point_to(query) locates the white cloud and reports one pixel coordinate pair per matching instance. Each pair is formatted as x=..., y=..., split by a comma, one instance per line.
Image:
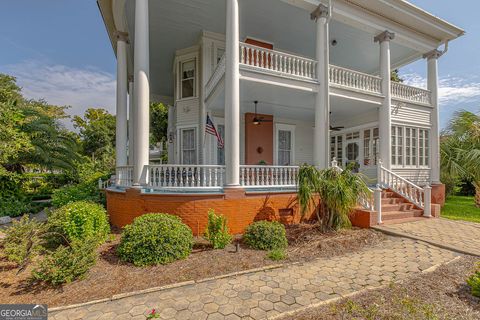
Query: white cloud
x=452, y=90
x=63, y=85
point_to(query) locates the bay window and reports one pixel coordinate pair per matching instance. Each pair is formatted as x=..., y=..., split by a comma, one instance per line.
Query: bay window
x=187, y=79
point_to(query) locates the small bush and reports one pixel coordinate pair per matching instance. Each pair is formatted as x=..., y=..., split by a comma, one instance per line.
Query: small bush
x=277, y=254
x=217, y=231
x=67, y=263
x=23, y=240
x=155, y=238
x=84, y=191
x=80, y=220
x=266, y=235
x=474, y=282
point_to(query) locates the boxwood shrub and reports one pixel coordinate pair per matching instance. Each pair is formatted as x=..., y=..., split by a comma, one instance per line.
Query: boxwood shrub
x=266, y=235
x=80, y=220
x=155, y=238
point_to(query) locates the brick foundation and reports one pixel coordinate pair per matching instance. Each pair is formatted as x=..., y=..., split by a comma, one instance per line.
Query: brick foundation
x=438, y=194
x=240, y=208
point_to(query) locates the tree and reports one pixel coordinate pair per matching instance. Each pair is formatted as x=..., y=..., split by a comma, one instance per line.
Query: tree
x=332, y=193
x=460, y=149
x=158, y=122
x=395, y=77
x=97, y=132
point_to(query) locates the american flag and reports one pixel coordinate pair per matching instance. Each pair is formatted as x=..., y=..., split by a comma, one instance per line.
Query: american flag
x=210, y=129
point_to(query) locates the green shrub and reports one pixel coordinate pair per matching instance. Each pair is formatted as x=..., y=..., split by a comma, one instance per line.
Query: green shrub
x=67, y=263
x=155, y=238
x=23, y=240
x=217, y=231
x=266, y=235
x=474, y=282
x=84, y=191
x=277, y=254
x=80, y=220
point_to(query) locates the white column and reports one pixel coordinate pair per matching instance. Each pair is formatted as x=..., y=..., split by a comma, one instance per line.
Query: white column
x=232, y=97
x=321, y=132
x=142, y=92
x=384, y=114
x=131, y=117
x=432, y=66
x=121, y=109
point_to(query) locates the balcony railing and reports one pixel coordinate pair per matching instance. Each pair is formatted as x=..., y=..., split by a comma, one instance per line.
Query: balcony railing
x=268, y=176
x=185, y=176
x=355, y=80
x=277, y=62
x=409, y=93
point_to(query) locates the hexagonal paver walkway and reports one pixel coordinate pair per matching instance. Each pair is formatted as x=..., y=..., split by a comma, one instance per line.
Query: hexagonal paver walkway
x=264, y=294
x=460, y=236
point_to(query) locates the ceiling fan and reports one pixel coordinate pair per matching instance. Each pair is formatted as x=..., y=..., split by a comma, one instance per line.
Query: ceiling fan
x=256, y=119
x=332, y=128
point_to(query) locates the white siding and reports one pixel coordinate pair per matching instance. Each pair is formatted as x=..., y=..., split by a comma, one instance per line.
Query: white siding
x=187, y=112
x=418, y=176
x=303, y=140
x=411, y=115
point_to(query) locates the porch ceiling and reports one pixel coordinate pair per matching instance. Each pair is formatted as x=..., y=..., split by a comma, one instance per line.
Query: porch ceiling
x=286, y=103
x=177, y=24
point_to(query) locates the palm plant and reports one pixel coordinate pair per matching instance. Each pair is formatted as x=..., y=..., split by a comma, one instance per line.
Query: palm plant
x=332, y=193
x=460, y=149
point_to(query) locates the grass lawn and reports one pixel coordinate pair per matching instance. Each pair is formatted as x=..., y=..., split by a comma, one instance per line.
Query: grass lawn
x=461, y=208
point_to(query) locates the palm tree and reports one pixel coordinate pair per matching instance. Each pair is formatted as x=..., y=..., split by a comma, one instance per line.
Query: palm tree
x=460, y=149
x=332, y=193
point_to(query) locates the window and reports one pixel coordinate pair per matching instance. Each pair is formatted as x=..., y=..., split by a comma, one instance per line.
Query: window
x=220, y=151
x=397, y=145
x=188, y=146
x=284, y=147
x=367, y=156
x=336, y=151
x=410, y=147
x=187, y=85
x=423, y=147
x=414, y=142
x=375, y=145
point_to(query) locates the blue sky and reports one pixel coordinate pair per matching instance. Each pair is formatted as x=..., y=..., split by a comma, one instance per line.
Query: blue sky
x=59, y=51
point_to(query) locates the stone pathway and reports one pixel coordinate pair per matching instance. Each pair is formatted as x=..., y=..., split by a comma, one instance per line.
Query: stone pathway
x=460, y=236
x=265, y=294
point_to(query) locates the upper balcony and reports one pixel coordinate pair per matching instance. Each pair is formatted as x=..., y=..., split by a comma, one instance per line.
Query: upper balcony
x=285, y=65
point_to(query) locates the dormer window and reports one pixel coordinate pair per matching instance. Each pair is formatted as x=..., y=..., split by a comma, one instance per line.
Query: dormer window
x=187, y=85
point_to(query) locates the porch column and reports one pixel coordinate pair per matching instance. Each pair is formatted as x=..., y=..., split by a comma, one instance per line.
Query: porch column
x=384, y=114
x=232, y=97
x=130, y=122
x=121, y=108
x=432, y=85
x=321, y=131
x=142, y=92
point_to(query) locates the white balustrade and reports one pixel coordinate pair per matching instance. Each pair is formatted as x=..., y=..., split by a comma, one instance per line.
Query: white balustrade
x=354, y=79
x=185, y=176
x=407, y=189
x=217, y=75
x=124, y=176
x=409, y=93
x=278, y=62
x=268, y=176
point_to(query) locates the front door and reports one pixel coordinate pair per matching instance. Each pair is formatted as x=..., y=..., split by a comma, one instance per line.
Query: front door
x=352, y=154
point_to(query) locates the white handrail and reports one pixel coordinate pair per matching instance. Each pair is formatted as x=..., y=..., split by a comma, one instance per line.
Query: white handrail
x=185, y=176
x=409, y=93
x=277, y=61
x=367, y=202
x=268, y=176
x=354, y=79
x=407, y=189
x=124, y=176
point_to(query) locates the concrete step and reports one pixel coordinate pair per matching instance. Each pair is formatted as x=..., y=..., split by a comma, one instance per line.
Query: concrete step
x=394, y=215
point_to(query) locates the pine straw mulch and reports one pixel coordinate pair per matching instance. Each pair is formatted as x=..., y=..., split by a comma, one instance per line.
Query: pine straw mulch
x=440, y=295
x=110, y=276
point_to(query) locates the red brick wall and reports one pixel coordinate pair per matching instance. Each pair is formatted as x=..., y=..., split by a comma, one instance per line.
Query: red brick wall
x=240, y=209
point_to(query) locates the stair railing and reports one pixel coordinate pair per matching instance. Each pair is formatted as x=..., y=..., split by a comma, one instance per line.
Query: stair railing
x=421, y=197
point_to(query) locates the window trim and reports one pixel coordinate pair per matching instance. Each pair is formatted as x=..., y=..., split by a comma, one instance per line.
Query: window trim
x=284, y=127
x=180, y=130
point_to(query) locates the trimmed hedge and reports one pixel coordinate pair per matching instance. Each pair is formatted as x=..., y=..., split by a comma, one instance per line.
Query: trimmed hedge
x=155, y=238
x=80, y=220
x=266, y=235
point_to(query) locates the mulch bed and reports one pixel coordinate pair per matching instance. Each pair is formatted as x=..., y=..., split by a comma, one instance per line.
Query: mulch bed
x=442, y=294
x=111, y=276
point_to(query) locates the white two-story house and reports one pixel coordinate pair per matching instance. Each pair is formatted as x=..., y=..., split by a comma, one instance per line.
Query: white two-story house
x=284, y=83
